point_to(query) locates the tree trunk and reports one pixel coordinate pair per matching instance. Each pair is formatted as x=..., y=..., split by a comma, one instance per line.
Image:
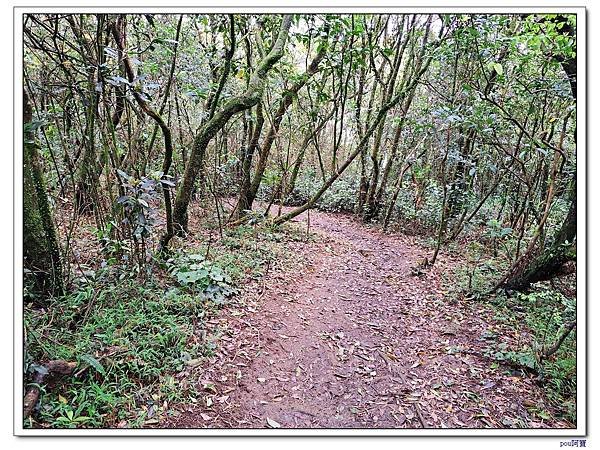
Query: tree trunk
x=247, y=100
x=247, y=196
x=41, y=255
x=91, y=167
x=118, y=29
x=359, y=149
x=563, y=248
x=550, y=261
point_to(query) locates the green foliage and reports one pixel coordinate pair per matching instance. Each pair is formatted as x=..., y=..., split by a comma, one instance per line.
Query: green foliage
x=537, y=318
x=541, y=315
x=426, y=215
x=140, y=194
x=129, y=339
x=113, y=248
x=93, y=362
x=202, y=277
x=126, y=338
x=520, y=359
x=341, y=197
x=495, y=230
x=478, y=274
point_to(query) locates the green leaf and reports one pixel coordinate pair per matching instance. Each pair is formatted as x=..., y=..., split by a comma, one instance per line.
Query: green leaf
x=93, y=362
x=498, y=68
x=543, y=415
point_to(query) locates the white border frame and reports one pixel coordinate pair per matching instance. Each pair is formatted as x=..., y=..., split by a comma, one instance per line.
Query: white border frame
x=582, y=382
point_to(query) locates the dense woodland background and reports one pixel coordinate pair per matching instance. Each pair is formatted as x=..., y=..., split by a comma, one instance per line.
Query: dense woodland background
x=151, y=140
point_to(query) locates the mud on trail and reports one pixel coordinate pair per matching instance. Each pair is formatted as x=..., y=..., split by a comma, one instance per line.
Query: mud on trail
x=351, y=338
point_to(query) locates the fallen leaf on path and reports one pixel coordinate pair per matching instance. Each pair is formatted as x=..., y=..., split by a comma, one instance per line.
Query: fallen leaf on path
x=272, y=423
x=193, y=362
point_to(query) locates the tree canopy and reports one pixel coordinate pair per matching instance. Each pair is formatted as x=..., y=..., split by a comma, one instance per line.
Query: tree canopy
x=143, y=131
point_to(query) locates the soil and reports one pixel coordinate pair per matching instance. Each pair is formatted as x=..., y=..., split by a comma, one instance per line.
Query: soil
x=355, y=335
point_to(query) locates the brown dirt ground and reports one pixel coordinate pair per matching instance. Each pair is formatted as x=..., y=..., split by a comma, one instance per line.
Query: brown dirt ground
x=349, y=337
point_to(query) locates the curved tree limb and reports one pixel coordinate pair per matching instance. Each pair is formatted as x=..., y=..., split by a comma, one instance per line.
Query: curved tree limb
x=247, y=100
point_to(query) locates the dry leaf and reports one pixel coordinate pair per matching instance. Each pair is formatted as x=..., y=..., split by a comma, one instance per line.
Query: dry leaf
x=272, y=423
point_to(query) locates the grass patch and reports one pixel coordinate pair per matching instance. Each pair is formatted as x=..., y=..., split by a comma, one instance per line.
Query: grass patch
x=129, y=338
x=126, y=339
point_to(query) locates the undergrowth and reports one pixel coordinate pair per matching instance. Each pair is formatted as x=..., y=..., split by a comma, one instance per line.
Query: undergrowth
x=537, y=317
x=541, y=315
x=130, y=339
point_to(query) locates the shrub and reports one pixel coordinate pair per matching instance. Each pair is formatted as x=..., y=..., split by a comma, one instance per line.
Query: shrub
x=340, y=197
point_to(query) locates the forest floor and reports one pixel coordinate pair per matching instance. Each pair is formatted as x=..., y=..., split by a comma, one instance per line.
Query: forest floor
x=348, y=335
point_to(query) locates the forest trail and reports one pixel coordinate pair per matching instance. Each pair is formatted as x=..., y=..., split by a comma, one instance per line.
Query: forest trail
x=354, y=338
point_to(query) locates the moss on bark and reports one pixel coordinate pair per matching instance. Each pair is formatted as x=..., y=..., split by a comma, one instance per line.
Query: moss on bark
x=41, y=255
x=207, y=132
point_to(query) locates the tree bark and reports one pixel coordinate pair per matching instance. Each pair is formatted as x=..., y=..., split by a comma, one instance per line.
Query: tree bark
x=247, y=100
x=359, y=149
x=245, y=200
x=248, y=193
x=563, y=248
x=548, y=264
x=118, y=28
x=52, y=369
x=41, y=255
x=91, y=167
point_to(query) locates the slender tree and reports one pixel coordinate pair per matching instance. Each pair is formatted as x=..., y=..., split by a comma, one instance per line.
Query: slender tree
x=247, y=100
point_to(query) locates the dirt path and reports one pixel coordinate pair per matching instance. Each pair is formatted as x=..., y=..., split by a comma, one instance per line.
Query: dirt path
x=352, y=338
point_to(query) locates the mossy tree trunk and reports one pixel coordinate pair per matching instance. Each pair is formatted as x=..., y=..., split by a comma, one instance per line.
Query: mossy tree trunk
x=207, y=132
x=250, y=190
x=371, y=206
x=245, y=200
x=549, y=263
x=359, y=149
x=407, y=86
x=41, y=255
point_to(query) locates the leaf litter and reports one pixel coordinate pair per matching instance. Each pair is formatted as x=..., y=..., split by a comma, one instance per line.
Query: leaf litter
x=354, y=341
